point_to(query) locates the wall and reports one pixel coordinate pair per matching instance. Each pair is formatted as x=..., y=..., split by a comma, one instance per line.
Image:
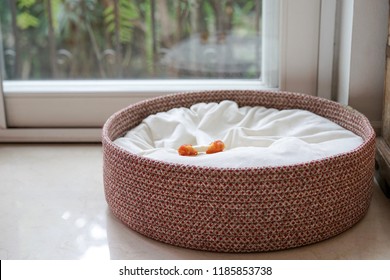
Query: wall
x=361, y=55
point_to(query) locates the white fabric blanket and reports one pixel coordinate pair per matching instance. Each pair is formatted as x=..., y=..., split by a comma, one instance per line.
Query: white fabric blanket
x=254, y=136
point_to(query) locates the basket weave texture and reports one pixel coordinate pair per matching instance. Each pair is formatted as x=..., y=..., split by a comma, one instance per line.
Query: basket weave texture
x=239, y=209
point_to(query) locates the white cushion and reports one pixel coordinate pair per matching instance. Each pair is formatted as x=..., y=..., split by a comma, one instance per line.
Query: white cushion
x=254, y=136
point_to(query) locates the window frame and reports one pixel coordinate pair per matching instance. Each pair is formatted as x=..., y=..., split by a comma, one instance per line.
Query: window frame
x=22, y=121
x=3, y=122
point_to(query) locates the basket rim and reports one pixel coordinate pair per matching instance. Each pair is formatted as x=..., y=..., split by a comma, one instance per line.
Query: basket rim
x=107, y=141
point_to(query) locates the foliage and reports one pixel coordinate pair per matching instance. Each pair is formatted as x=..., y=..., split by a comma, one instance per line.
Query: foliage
x=241, y=14
x=128, y=13
x=111, y=38
x=25, y=19
x=25, y=3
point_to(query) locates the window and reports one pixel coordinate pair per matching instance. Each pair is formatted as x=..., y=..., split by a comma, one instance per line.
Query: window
x=67, y=64
x=122, y=39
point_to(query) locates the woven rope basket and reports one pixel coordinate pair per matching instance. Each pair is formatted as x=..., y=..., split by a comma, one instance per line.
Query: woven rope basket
x=239, y=209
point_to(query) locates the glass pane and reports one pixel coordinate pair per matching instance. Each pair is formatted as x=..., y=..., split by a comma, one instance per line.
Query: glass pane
x=131, y=39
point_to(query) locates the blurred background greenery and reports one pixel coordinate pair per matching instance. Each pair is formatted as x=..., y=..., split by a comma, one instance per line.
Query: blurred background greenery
x=130, y=39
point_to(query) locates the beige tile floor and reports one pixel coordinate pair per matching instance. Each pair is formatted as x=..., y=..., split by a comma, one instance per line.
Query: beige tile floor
x=52, y=206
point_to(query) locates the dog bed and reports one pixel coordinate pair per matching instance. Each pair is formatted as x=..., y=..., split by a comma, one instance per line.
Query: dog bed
x=240, y=205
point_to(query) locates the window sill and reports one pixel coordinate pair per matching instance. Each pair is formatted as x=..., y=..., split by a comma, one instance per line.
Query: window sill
x=88, y=104
x=50, y=135
x=109, y=88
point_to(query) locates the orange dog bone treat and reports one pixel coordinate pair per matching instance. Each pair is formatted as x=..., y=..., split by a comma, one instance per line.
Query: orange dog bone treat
x=215, y=147
x=189, y=150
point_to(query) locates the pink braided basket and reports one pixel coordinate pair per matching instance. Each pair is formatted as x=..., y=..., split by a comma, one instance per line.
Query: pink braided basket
x=239, y=209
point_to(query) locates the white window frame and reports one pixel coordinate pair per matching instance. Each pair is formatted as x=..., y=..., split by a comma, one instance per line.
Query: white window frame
x=82, y=106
